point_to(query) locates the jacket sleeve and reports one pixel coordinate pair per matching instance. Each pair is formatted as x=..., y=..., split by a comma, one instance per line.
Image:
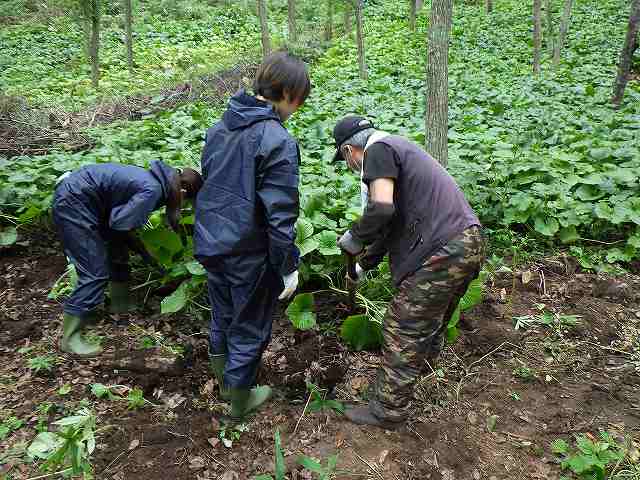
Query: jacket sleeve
x=277, y=189
x=135, y=212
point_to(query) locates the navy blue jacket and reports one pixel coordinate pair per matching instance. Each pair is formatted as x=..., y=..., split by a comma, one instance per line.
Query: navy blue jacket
x=249, y=200
x=111, y=196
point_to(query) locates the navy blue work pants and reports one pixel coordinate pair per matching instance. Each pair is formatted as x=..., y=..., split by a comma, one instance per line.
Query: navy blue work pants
x=243, y=293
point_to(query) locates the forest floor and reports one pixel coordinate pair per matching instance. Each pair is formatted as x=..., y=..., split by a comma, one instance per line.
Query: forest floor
x=496, y=400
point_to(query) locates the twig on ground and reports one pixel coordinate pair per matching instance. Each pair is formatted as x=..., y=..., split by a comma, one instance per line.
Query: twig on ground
x=113, y=461
x=371, y=467
x=487, y=355
x=303, y=412
x=50, y=474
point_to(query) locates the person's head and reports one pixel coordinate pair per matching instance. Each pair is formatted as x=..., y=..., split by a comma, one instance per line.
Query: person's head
x=186, y=185
x=283, y=80
x=351, y=135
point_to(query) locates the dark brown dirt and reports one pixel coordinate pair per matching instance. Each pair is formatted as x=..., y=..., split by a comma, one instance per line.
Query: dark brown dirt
x=489, y=410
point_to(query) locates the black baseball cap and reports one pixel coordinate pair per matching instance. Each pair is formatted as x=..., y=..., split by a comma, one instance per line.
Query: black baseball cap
x=347, y=128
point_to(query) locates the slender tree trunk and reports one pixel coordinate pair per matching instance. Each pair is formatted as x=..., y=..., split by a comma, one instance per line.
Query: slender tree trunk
x=348, y=20
x=419, y=5
x=362, y=62
x=489, y=4
x=266, y=39
x=549, y=15
x=94, y=48
x=328, y=29
x=630, y=45
x=128, y=24
x=293, y=27
x=564, y=29
x=537, y=35
x=437, y=121
x=412, y=14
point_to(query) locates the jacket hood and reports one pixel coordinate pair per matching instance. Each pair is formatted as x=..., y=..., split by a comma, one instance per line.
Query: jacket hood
x=165, y=175
x=245, y=110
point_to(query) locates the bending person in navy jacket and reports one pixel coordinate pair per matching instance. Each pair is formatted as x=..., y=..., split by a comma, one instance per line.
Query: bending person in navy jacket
x=245, y=224
x=95, y=209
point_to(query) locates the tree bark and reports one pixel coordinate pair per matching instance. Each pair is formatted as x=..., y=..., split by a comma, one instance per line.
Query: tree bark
x=489, y=4
x=419, y=5
x=437, y=121
x=564, y=29
x=549, y=15
x=328, y=29
x=348, y=21
x=293, y=27
x=128, y=25
x=413, y=14
x=537, y=35
x=630, y=45
x=264, y=26
x=362, y=62
x=94, y=48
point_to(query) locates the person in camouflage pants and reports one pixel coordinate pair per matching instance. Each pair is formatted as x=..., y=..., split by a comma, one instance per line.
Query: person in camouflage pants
x=417, y=318
x=414, y=211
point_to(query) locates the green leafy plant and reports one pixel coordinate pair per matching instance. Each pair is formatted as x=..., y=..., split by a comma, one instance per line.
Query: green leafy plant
x=301, y=311
x=471, y=298
x=41, y=363
x=70, y=447
x=592, y=458
x=546, y=319
x=230, y=433
x=9, y=425
x=280, y=467
x=65, y=283
x=65, y=389
x=361, y=332
x=319, y=401
x=135, y=399
x=8, y=236
x=323, y=472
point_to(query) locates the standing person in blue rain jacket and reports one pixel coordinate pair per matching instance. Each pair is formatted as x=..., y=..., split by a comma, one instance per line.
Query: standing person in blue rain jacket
x=96, y=209
x=245, y=224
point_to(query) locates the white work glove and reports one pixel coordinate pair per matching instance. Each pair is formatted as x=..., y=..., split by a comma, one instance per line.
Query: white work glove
x=359, y=275
x=348, y=243
x=290, y=285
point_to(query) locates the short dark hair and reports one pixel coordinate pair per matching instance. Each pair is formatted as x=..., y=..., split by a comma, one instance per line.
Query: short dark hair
x=279, y=73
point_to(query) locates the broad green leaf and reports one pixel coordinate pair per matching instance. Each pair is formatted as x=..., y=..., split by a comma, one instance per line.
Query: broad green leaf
x=310, y=464
x=559, y=446
x=361, y=333
x=327, y=243
x=177, y=300
x=44, y=445
x=100, y=390
x=307, y=246
x=569, y=234
x=263, y=477
x=589, y=192
x=547, y=226
x=8, y=236
x=304, y=229
x=301, y=311
x=195, y=268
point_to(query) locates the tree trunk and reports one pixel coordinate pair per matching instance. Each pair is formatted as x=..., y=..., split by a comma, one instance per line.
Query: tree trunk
x=630, y=45
x=328, y=29
x=293, y=27
x=489, y=4
x=419, y=5
x=549, y=15
x=128, y=24
x=94, y=48
x=537, y=35
x=362, y=62
x=437, y=122
x=348, y=21
x=562, y=35
x=412, y=14
x=266, y=40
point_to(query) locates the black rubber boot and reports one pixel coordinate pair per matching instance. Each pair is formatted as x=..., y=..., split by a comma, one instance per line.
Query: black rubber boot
x=364, y=416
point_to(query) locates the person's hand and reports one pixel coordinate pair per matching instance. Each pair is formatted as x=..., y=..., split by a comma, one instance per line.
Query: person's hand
x=359, y=275
x=348, y=243
x=290, y=285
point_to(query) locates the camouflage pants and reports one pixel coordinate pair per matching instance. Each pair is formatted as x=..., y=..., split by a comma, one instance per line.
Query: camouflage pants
x=417, y=318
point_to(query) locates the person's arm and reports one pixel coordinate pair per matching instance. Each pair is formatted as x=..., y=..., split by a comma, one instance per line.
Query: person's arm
x=278, y=191
x=135, y=212
x=374, y=254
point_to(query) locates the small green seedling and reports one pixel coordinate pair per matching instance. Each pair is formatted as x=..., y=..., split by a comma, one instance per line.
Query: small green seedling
x=281, y=470
x=135, y=399
x=524, y=372
x=592, y=458
x=70, y=447
x=65, y=389
x=41, y=363
x=319, y=401
x=324, y=472
x=9, y=425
